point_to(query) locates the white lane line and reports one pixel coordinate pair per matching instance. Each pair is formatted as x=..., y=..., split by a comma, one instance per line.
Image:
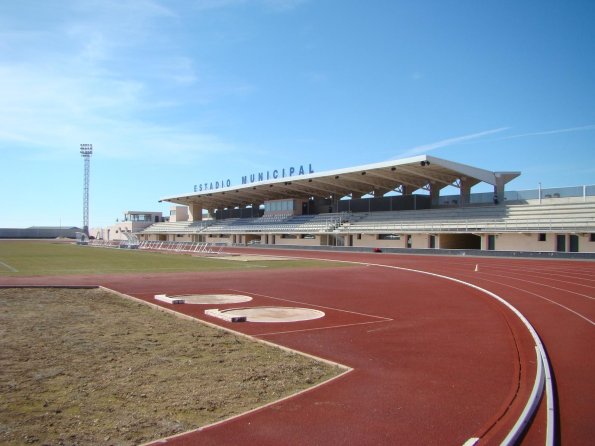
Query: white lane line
x=585, y=275
x=540, y=284
x=581, y=275
x=548, y=277
x=8, y=267
x=321, y=328
x=313, y=305
x=543, y=378
x=541, y=297
x=543, y=382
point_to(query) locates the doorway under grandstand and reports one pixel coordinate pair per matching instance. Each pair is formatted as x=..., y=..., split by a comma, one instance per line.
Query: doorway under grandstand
x=460, y=241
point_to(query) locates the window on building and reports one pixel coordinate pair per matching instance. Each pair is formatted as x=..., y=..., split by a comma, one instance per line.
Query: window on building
x=542, y=237
x=592, y=237
x=278, y=206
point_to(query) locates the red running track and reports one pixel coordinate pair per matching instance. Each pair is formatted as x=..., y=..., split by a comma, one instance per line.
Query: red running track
x=434, y=361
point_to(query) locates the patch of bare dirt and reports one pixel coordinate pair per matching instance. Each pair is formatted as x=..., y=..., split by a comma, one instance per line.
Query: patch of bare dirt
x=88, y=367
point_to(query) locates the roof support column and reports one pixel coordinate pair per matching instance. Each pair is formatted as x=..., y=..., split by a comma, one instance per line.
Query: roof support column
x=465, y=191
x=255, y=212
x=435, y=194
x=499, y=189
x=195, y=212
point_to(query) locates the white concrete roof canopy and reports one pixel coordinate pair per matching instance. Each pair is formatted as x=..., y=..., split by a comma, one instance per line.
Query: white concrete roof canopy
x=414, y=173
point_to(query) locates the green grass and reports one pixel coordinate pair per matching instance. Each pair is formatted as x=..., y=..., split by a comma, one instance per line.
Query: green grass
x=31, y=258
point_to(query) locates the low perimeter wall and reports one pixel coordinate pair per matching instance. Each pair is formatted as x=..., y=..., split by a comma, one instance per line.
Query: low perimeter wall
x=445, y=252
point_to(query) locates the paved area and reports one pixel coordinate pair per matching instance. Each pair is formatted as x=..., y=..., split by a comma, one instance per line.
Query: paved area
x=434, y=361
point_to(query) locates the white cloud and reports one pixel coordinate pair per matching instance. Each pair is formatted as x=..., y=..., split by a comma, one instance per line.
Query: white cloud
x=549, y=132
x=205, y=5
x=56, y=113
x=271, y=5
x=77, y=83
x=448, y=142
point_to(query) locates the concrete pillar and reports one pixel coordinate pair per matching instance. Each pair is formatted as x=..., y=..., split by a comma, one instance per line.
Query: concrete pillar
x=499, y=190
x=465, y=195
x=405, y=190
x=334, y=203
x=195, y=212
x=434, y=194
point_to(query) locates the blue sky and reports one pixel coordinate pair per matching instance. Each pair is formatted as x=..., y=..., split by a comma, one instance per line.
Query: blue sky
x=174, y=93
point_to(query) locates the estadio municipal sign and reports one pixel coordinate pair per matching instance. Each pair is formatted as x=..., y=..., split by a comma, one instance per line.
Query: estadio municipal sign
x=255, y=177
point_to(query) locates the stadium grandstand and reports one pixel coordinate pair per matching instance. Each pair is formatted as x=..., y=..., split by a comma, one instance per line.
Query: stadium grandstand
x=389, y=205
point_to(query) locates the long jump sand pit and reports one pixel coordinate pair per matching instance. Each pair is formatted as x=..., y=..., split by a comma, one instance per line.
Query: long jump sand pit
x=89, y=367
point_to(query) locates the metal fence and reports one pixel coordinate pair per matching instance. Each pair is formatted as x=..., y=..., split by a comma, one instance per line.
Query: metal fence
x=525, y=195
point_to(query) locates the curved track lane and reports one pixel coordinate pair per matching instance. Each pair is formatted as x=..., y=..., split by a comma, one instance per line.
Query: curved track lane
x=557, y=298
x=434, y=362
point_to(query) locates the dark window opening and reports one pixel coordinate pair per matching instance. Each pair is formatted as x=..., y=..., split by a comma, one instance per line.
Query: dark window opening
x=491, y=242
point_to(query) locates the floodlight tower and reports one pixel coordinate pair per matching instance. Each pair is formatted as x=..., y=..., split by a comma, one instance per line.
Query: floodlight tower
x=86, y=152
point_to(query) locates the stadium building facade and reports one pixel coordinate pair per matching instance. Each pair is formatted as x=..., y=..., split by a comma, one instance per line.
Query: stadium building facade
x=394, y=204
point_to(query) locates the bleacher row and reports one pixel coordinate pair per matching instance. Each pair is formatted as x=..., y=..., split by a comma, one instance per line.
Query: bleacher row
x=181, y=227
x=297, y=223
x=546, y=217
x=483, y=218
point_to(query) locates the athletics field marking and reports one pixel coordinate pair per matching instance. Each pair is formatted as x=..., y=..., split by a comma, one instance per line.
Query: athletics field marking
x=8, y=267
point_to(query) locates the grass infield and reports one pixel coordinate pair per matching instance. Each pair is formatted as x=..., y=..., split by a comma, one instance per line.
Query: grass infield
x=88, y=367
x=32, y=258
